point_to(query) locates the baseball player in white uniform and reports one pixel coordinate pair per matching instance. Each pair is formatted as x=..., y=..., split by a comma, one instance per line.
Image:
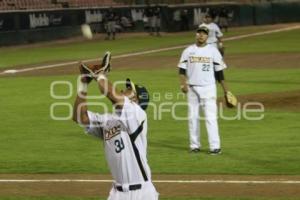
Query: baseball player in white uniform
x=215, y=34
x=124, y=134
x=199, y=67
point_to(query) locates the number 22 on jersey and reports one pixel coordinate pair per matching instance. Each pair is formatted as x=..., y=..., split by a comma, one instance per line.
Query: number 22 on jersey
x=205, y=67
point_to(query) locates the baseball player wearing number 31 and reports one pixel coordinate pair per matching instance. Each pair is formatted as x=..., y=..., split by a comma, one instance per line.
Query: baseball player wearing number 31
x=199, y=67
x=124, y=132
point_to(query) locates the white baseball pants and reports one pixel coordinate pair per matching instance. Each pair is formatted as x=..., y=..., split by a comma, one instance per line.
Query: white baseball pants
x=147, y=192
x=203, y=97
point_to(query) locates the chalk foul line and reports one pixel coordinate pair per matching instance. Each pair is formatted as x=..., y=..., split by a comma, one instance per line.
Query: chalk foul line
x=13, y=71
x=155, y=181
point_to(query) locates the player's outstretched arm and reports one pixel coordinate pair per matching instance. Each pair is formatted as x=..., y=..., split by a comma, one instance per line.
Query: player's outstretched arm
x=110, y=91
x=80, y=114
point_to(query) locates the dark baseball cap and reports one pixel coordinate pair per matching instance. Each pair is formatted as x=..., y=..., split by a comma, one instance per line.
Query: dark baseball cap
x=141, y=92
x=203, y=28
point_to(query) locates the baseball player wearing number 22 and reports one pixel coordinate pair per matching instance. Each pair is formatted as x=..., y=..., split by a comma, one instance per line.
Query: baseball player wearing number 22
x=124, y=132
x=200, y=66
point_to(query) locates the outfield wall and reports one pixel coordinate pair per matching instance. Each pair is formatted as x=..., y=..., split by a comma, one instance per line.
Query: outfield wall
x=18, y=27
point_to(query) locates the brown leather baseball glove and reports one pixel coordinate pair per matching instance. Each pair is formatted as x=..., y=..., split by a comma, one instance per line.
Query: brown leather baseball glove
x=231, y=100
x=94, y=70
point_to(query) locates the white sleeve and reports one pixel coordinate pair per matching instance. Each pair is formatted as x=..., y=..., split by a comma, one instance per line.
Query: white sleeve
x=218, y=61
x=218, y=31
x=96, y=124
x=183, y=62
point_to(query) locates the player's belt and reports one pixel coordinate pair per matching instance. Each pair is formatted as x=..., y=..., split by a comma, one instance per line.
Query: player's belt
x=131, y=187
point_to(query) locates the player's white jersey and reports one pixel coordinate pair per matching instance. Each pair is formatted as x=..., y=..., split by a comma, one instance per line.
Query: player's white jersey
x=214, y=32
x=124, y=136
x=201, y=63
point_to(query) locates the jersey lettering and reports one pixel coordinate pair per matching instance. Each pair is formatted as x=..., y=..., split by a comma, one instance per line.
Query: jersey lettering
x=110, y=133
x=194, y=59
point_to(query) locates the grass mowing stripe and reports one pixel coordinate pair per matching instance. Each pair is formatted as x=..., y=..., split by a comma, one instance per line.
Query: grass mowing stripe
x=74, y=51
x=283, y=42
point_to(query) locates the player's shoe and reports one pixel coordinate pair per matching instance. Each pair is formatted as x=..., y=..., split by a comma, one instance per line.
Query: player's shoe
x=195, y=150
x=215, y=152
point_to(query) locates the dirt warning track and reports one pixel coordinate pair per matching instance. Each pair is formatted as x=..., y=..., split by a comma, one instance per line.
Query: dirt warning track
x=89, y=185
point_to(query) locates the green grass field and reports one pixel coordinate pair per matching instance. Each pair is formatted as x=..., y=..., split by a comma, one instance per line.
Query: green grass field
x=31, y=142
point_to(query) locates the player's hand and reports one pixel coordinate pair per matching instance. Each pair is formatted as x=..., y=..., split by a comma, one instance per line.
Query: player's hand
x=86, y=77
x=220, y=45
x=184, y=88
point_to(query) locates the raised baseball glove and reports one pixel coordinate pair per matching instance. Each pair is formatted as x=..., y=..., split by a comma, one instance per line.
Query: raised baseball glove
x=94, y=70
x=231, y=100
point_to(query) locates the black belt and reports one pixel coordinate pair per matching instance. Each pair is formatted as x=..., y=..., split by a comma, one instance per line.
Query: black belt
x=131, y=187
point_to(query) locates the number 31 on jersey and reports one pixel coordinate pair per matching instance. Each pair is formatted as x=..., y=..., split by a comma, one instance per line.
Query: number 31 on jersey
x=119, y=144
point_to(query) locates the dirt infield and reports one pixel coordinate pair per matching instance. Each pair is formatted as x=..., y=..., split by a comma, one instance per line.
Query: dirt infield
x=280, y=100
x=221, y=188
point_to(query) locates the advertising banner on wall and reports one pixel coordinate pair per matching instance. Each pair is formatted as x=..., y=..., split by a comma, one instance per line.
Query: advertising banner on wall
x=35, y=20
x=93, y=16
x=45, y=20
